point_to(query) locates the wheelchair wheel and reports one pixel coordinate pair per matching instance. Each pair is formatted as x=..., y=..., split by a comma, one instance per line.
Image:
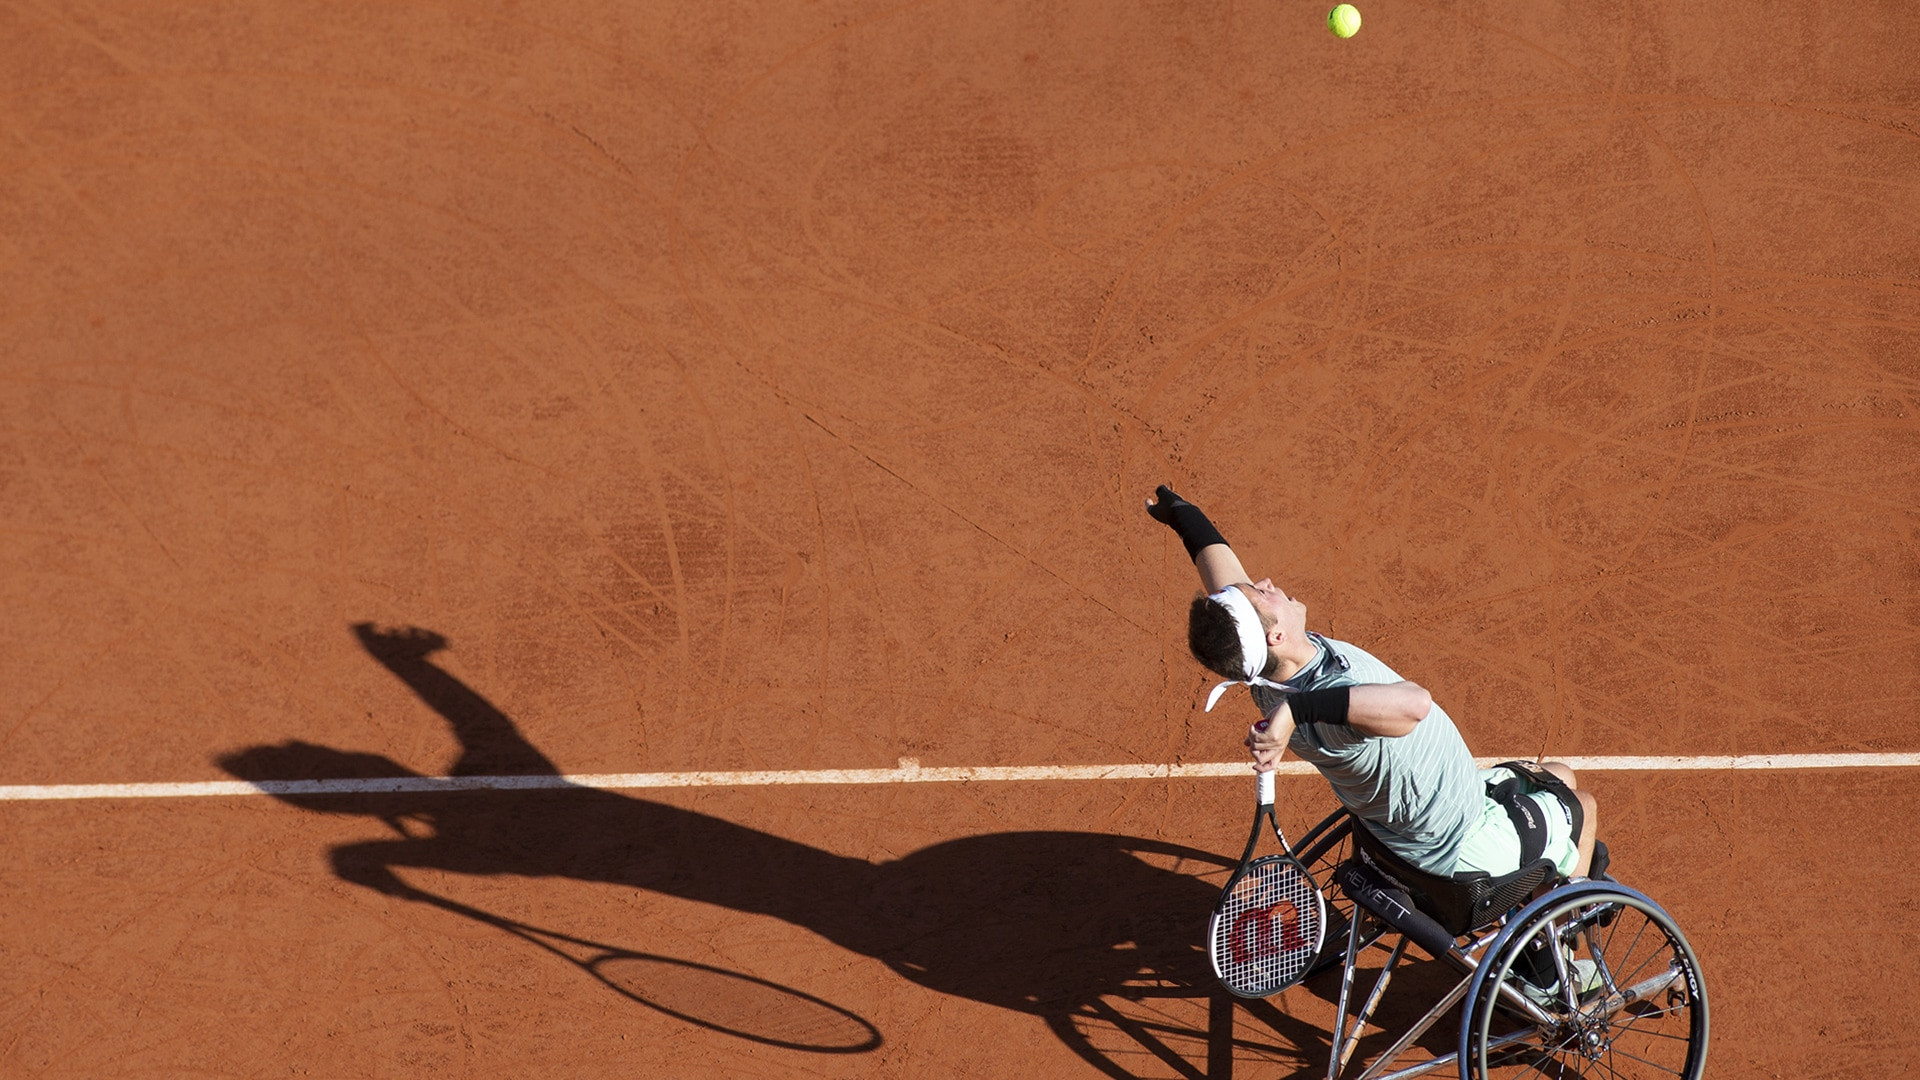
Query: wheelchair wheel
x=1322, y=850
x=1624, y=998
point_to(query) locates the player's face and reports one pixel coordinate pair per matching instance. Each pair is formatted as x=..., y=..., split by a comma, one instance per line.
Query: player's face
x=1276, y=608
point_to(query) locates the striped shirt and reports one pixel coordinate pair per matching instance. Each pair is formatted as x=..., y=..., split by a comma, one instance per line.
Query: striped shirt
x=1419, y=792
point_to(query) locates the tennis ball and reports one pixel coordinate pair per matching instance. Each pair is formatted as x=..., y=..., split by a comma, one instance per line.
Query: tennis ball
x=1344, y=21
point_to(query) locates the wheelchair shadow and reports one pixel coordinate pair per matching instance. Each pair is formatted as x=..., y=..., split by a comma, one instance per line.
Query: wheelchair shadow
x=1096, y=935
x=1418, y=982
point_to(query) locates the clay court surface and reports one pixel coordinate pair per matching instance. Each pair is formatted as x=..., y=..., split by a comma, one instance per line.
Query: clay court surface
x=744, y=387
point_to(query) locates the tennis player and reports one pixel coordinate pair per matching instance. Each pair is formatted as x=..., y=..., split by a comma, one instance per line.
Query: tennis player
x=1394, y=757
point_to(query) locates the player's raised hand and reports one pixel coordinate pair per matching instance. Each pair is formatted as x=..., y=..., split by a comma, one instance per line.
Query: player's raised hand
x=1185, y=519
x=1163, y=503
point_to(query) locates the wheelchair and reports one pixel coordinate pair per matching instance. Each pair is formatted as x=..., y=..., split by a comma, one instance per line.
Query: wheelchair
x=1593, y=978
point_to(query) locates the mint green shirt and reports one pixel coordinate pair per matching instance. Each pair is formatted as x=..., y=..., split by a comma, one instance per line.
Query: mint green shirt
x=1420, y=792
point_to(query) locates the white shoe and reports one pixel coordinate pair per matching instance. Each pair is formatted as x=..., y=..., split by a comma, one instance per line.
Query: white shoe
x=1586, y=976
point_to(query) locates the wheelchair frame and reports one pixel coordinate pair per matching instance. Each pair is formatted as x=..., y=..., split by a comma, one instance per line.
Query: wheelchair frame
x=1566, y=1029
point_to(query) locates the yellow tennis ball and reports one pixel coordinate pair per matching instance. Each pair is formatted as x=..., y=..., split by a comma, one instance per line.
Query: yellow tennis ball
x=1344, y=21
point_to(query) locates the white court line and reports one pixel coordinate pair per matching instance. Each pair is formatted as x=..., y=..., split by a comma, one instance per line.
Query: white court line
x=908, y=772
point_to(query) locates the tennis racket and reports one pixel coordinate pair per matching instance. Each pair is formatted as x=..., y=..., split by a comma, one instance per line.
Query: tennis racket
x=729, y=1002
x=1267, y=928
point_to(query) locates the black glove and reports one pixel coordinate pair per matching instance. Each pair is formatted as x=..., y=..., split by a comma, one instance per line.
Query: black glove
x=1194, y=530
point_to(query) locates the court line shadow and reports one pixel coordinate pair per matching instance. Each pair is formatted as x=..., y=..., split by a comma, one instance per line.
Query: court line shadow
x=1075, y=928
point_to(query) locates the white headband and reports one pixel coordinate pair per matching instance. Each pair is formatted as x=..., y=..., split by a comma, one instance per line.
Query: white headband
x=1253, y=642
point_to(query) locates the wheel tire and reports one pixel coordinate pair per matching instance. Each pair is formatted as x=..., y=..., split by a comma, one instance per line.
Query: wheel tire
x=1647, y=1018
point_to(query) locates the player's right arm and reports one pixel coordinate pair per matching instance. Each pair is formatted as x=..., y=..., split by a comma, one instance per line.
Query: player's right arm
x=1216, y=563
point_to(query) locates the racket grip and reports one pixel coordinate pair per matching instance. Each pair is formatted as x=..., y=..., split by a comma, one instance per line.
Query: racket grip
x=1266, y=788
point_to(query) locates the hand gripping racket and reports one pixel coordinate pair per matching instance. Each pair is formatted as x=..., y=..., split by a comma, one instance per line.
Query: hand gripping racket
x=1267, y=928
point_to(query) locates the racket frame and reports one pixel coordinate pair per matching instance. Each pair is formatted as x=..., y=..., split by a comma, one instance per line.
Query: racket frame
x=1264, y=814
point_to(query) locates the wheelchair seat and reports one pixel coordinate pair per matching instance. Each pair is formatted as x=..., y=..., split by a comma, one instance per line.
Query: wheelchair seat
x=1464, y=902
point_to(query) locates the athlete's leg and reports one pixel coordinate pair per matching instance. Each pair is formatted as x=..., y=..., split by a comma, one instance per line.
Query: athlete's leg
x=1590, y=827
x=1589, y=830
x=1562, y=770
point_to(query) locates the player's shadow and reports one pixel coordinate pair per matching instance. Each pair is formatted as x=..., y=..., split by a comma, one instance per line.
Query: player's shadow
x=1096, y=934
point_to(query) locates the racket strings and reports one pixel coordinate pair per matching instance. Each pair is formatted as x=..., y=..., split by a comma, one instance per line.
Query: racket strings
x=1268, y=928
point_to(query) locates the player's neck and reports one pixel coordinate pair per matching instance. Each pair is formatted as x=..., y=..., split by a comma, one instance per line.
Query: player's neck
x=1292, y=657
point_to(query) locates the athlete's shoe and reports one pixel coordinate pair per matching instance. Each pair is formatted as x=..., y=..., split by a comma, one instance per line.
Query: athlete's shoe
x=1538, y=980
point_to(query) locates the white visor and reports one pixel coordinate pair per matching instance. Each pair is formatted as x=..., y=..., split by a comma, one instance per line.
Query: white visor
x=1253, y=642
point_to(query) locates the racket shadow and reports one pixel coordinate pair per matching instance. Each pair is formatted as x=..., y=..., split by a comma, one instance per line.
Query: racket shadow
x=727, y=1002
x=1098, y=935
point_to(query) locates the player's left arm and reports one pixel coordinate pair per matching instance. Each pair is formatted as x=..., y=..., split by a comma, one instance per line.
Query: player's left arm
x=1218, y=566
x=1388, y=709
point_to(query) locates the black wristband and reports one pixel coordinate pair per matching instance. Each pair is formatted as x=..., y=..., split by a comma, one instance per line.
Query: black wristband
x=1320, y=706
x=1186, y=520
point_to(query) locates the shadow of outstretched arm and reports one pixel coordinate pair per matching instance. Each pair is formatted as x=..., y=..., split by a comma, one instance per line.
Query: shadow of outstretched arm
x=490, y=744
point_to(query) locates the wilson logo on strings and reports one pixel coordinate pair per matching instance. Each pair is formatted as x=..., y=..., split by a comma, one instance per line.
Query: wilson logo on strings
x=1257, y=924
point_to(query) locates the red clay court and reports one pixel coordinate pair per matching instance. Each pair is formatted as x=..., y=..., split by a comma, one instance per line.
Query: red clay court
x=774, y=387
